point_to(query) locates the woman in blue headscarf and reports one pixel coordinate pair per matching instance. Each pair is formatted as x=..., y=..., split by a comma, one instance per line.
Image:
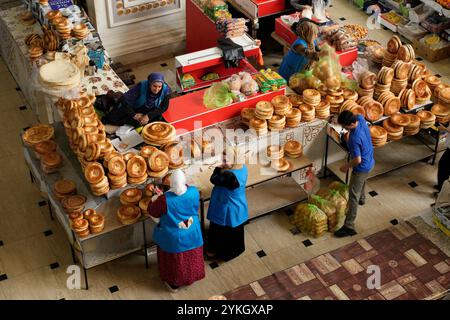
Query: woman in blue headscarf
x=228, y=209
x=178, y=234
x=144, y=103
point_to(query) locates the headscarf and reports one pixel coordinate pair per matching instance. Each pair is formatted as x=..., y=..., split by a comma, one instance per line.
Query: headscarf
x=155, y=77
x=178, y=182
x=152, y=78
x=308, y=31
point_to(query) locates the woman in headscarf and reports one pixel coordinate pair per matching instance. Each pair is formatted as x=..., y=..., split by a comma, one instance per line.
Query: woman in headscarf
x=178, y=234
x=228, y=208
x=144, y=103
x=303, y=51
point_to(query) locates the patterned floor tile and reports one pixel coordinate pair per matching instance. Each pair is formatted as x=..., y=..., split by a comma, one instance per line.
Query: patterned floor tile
x=418, y=290
x=325, y=263
x=408, y=265
x=392, y=290
x=413, y=256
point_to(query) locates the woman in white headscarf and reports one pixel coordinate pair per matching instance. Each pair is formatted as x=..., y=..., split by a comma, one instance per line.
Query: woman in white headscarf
x=178, y=234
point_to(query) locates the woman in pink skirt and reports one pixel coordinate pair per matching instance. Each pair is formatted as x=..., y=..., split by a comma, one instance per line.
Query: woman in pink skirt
x=178, y=234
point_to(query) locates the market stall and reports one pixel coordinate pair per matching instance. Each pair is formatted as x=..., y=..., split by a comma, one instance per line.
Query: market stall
x=15, y=53
x=286, y=37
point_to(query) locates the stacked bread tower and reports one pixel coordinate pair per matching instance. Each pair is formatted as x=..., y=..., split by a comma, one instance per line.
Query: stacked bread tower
x=367, y=84
x=400, y=80
x=275, y=153
x=379, y=136
x=88, y=222
x=62, y=25
x=158, y=133
x=80, y=31
x=293, y=149
x=311, y=99
x=390, y=54
x=98, y=181
x=384, y=81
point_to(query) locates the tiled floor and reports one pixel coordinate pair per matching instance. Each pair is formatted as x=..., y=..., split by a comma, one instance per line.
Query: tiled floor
x=410, y=267
x=26, y=253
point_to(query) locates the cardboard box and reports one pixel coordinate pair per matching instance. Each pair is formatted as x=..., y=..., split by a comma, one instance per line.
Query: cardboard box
x=430, y=54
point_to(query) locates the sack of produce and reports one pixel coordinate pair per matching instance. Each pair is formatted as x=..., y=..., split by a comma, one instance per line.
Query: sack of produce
x=218, y=96
x=328, y=69
x=341, y=206
x=303, y=80
x=309, y=219
x=187, y=80
x=342, y=188
x=328, y=208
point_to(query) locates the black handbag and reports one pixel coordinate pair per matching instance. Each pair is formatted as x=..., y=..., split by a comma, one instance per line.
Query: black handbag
x=232, y=52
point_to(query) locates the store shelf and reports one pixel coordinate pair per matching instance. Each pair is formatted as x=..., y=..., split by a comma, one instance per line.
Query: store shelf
x=257, y=174
x=391, y=156
x=92, y=260
x=273, y=195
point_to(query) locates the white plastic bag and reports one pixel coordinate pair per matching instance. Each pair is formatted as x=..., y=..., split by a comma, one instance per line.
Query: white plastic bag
x=359, y=67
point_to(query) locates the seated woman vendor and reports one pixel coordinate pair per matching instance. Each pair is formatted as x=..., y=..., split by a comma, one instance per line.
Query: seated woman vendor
x=303, y=51
x=144, y=103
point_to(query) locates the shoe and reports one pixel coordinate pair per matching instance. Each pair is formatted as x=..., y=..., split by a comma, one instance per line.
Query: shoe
x=362, y=202
x=171, y=288
x=436, y=187
x=344, y=232
x=209, y=256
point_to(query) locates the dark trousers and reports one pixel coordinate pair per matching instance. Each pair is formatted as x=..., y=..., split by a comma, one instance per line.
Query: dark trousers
x=122, y=114
x=226, y=242
x=444, y=168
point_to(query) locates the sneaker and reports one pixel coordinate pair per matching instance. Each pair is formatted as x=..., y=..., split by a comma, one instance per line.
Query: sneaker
x=362, y=202
x=170, y=287
x=344, y=232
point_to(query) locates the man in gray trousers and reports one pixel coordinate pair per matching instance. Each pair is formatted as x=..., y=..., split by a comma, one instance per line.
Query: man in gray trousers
x=361, y=152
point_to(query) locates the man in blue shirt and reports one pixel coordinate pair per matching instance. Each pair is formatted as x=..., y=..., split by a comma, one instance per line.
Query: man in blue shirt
x=361, y=152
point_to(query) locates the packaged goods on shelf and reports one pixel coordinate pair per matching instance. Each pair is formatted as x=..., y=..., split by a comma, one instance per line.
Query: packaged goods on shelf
x=436, y=23
x=231, y=28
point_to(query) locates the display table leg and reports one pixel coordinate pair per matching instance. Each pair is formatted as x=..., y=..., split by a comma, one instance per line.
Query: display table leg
x=73, y=254
x=31, y=176
x=326, y=158
x=202, y=216
x=85, y=278
x=50, y=210
x=145, y=245
x=436, y=148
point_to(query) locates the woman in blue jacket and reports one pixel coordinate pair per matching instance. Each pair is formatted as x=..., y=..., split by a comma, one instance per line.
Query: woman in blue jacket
x=178, y=234
x=303, y=51
x=144, y=103
x=228, y=211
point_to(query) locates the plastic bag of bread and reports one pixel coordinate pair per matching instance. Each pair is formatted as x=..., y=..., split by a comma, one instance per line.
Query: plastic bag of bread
x=342, y=188
x=328, y=208
x=340, y=203
x=234, y=83
x=327, y=68
x=218, y=96
x=304, y=80
x=309, y=219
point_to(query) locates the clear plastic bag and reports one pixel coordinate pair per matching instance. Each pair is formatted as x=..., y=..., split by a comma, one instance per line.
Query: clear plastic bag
x=304, y=80
x=360, y=66
x=328, y=69
x=218, y=96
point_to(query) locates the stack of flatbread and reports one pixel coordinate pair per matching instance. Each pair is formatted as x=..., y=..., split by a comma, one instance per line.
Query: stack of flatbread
x=59, y=75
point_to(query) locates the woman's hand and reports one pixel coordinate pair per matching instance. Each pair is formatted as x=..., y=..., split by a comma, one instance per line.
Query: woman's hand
x=138, y=116
x=144, y=120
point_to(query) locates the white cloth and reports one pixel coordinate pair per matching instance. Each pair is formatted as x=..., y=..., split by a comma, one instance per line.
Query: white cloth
x=178, y=182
